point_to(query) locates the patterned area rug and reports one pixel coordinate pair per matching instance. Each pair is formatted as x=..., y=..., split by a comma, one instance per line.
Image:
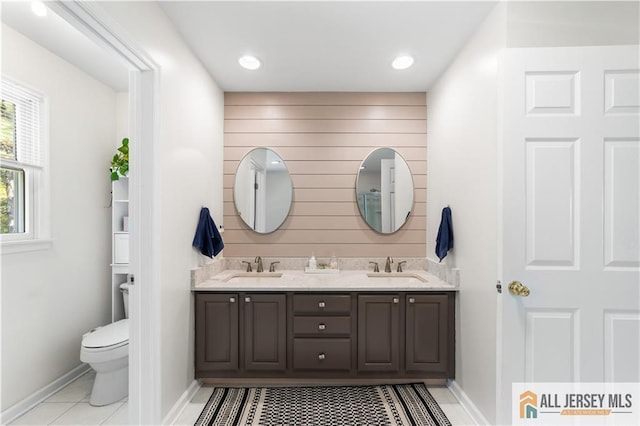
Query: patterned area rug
x=388, y=405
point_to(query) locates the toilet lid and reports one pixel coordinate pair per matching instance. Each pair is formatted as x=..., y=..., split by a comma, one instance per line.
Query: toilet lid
x=108, y=335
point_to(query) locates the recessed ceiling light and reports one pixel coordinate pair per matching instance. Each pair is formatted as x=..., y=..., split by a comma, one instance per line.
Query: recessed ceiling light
x=38, y=8
x=249, y=62
x=402, y=62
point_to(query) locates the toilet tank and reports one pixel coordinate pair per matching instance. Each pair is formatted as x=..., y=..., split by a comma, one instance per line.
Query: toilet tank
x=124, y=289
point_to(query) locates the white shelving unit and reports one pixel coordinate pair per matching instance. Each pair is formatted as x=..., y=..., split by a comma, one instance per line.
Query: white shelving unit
x=119, y=244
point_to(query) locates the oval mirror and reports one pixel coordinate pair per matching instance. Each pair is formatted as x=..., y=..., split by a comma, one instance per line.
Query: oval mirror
x=263, y=190
x=384, y=190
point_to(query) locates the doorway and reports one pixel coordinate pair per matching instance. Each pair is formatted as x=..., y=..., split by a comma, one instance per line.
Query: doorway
x=144, y=365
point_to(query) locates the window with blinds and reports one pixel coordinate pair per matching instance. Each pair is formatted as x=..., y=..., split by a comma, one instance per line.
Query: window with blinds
x=21, y=157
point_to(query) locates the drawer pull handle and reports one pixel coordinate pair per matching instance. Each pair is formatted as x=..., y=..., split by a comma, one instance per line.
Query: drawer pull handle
x=396, y=300
x=412, y=300
x=232, y=300
x=321, y=356
x=247, y=299
x=321, y=327
x=321, y=305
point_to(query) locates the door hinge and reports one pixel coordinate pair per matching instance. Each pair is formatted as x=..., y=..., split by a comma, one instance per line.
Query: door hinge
x=499, y=286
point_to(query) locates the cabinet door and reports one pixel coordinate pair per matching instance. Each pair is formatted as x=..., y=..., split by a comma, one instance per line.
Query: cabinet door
x=265, y=338
x=216, y=332
x=427, y=333
x=378, y=332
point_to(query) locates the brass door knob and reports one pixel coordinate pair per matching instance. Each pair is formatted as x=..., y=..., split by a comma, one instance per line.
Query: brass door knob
x=518, y=289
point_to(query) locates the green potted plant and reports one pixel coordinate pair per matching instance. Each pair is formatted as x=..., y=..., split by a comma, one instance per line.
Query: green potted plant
x=120, y=161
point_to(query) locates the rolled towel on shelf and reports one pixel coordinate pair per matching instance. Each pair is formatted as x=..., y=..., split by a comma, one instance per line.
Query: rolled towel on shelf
x=207, y=239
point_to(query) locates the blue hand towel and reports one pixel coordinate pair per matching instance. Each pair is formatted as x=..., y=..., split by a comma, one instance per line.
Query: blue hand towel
x=207, y=238
x=444, y=241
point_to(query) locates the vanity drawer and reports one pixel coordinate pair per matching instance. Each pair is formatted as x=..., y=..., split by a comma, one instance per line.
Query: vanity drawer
x=319, y=326
x=322, y=303
x=321, y=354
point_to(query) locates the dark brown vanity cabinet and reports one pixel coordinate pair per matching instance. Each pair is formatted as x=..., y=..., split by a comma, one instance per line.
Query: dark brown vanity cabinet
x=379, y=332
x=224, y=321
x=265, y=332
x=322, y=328
x=216, y=332
x=325, y=335
x=428, y=336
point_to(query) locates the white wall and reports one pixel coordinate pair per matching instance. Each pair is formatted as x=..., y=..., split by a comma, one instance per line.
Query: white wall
x=50, y=298
x=122, y=117
x=572, y=23
x=190, y=169
x=462, y=165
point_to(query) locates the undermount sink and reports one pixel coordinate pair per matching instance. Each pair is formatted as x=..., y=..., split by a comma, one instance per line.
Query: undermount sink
x=397, y=275
x=237, y=276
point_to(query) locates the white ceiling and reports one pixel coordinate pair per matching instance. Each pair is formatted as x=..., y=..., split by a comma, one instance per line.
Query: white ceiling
x=326, y=46
x=58, y=36
x=304, y=45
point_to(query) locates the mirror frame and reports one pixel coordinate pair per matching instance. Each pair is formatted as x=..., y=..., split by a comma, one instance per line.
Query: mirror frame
x=413, y=189
x=235, y=204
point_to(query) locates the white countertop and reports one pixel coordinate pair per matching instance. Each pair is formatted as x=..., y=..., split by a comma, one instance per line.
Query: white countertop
x=234, y=280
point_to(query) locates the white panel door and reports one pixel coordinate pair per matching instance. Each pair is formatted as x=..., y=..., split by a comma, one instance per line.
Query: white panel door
x=571, y=217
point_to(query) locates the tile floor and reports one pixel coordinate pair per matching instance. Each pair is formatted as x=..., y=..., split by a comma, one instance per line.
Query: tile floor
x=70, y=406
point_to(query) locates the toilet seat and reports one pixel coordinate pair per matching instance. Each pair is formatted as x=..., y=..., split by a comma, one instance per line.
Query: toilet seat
x=106, y=344
x=109, y=337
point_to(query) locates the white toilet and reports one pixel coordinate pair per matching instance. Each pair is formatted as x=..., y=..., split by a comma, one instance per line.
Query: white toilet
x=106, y=349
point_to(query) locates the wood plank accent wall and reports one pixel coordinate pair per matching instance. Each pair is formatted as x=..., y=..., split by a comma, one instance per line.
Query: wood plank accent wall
x=323, y=138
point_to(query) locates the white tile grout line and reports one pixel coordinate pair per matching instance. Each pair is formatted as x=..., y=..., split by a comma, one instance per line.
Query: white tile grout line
x=114, y=413
x=63, y=413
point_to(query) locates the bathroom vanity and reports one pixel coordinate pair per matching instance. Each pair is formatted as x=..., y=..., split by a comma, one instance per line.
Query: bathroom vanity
x=351, y=325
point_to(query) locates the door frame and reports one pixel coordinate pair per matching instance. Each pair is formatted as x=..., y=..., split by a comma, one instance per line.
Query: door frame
x=144, y=297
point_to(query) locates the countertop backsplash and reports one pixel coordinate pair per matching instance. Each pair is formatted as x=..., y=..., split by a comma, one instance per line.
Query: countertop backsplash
x=203, y=273
x=444, y=272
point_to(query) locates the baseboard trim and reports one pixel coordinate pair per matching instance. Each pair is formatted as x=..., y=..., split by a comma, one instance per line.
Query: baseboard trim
x=275, y=382
x=19, y=408
x=174, y=414
x=467, y=404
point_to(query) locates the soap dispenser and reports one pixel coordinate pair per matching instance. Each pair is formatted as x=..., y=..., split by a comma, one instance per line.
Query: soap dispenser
x=312, y=262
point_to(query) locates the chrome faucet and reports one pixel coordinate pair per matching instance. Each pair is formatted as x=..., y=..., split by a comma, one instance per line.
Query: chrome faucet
x=387, y=265
x=258, y=260
x=400, y=266
x=272, y=266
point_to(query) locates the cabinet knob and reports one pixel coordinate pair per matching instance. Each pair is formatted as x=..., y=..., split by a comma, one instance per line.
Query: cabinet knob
x=321, y=356
x=321, y=327
x=247, y=299
x=412, y=300
x=232, y=300
x=396, y=300
x=321, y=305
